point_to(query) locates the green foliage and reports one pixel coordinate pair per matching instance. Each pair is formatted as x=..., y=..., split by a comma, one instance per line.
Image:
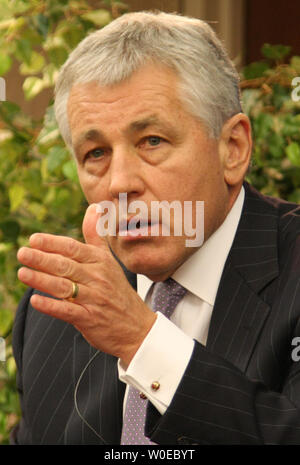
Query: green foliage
x=273, y=105
x=39, y=187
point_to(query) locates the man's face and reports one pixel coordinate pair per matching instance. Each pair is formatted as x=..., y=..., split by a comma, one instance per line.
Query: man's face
x=137, y=138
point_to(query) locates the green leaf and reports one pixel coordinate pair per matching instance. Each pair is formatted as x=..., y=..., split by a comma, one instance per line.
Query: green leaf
x=23, y=50
x=10, y=230
x=293, y=153
x=32, y=86
x=276, y=145
x=32, y=182
x=19, y=6
x=291, y=126
x=50, y=73
x=57, y=55
x=262, y=125
x=275, y=52
x=12, y=25
x=280, y=95
x=5, y=12
x=56, y=156
x=99, y=17
x=49, y=133
x=70, y=171
x=72, y=34
x=42, y=24
x=5, y=63
x=255, y=70
x=37, y=62
x=38, y=210
x=9, y=111
x=295, y=63
x=6, y=319
x=16, y=195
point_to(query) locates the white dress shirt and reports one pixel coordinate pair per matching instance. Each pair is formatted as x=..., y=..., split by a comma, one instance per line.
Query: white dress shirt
x=166, y=350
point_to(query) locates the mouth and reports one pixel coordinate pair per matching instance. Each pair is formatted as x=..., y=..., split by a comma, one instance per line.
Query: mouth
x=136, y=228
x=131, y=226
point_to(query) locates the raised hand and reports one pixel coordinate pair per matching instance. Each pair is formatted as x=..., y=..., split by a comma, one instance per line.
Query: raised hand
x=107, y=311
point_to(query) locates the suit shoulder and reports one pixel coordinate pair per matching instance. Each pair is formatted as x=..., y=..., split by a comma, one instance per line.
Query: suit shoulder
x=287, y=213
x=288, y=230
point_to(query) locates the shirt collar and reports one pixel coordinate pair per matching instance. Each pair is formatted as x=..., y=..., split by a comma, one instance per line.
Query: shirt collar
x=201, y=273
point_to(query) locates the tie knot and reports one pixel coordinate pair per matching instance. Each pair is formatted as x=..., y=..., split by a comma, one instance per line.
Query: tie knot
x=166, y=295
x=172, y=287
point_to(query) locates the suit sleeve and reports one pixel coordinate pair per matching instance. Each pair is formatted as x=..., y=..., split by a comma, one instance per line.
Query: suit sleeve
x=217, y=404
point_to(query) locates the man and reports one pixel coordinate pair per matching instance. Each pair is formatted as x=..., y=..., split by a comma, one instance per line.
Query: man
x=150, y=107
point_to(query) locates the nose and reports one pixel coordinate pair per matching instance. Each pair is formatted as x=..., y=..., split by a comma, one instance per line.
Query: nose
x=125, y=174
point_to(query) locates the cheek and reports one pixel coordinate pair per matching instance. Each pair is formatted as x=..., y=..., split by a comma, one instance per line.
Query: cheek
x=92, y=187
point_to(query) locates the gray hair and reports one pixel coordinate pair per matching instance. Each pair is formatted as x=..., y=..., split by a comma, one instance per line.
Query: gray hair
x=208, y=81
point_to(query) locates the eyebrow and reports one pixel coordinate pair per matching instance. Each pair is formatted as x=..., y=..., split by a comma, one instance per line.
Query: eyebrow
x=92, y=134
x=97, y=135
x=152, y=120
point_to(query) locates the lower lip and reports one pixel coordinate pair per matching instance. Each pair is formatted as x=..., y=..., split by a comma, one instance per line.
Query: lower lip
x=137, y=234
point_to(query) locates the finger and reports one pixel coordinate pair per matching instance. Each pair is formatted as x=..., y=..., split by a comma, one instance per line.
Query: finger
x=54, y=264
x=61, y=309
x=89, y=227
x=62, y=288
x=58, y=287
x=63, y=245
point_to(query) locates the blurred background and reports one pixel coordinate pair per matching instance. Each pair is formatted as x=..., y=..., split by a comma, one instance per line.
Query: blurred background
x=39, y=189
x=243, y=25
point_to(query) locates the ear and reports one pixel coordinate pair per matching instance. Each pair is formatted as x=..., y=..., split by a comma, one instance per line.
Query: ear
x=235, y=147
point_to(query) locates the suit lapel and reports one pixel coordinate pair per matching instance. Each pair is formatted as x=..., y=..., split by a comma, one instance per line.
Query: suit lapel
x=240, y=312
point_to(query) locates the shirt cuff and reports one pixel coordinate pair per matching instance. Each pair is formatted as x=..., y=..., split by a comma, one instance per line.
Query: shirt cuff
x=162, y=358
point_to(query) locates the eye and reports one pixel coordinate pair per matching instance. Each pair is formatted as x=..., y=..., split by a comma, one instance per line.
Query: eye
x=95, y=153
x=151, y=141
x=154, y=140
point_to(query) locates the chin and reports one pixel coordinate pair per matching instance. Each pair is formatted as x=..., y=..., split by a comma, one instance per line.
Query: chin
x=142, y=265
x=159, y=257
x=155, y=265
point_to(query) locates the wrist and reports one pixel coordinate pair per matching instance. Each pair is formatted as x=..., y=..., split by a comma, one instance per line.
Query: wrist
x=131, y=349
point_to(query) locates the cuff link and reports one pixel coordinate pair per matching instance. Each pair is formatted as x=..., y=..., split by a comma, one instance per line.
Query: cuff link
x=155, y=385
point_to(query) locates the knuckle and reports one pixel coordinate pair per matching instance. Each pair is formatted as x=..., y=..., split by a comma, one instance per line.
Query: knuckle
x=72, y=248
x=104, y=256
x=38, y=258
x=65, y=288
x=70, y=313
x=63, y=267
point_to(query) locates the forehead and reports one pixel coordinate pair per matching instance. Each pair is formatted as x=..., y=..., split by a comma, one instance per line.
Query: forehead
x=151, y=87
x=150, y=74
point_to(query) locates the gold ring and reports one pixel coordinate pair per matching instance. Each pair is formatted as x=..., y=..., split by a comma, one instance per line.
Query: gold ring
x=75, y=290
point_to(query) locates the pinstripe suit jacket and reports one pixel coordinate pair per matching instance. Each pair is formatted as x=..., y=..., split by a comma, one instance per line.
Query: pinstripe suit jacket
x=242, y=388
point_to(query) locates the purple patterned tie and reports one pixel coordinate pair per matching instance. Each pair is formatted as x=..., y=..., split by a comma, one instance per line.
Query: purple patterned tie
x=165, y=297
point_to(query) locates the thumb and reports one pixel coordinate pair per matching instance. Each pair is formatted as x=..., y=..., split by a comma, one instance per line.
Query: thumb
x=89, y=227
